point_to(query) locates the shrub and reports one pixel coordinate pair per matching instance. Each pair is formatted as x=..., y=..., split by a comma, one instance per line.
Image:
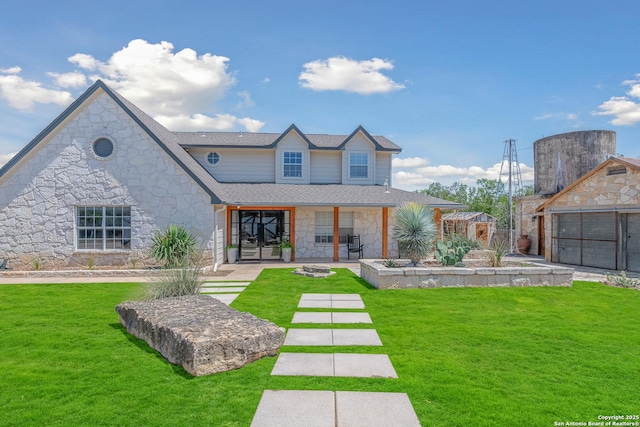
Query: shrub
x=176, y=282
x=621, y=281
x=414, y=230
x=498, y=248
x=173, y=246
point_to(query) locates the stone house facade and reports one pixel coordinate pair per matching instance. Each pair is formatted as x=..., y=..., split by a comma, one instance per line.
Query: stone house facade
x=595, y=221
x=103, y=177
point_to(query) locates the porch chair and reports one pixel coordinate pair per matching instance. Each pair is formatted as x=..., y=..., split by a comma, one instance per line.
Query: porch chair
x=354, y=246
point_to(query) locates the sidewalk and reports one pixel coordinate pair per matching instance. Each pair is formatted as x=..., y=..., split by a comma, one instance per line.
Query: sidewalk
x=248, y=272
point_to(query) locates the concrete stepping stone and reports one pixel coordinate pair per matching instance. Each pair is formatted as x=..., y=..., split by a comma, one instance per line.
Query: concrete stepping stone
x=288, y=408
x=329, y=337
x=334, y=365
x=308, y=364
x=224, y=289
x=225, y=298
x=312, y=317
x=356, y=337
x=371, y=409
x=330, y=317
x=342, y=317
x=331, y=301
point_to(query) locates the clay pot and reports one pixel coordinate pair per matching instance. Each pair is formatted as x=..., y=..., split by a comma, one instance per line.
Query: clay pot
x=524, y=244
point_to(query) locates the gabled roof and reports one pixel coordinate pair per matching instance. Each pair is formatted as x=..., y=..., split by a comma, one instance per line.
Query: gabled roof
x=161, y=135
x=173, y=143
x=270, y=140
x=633, y=163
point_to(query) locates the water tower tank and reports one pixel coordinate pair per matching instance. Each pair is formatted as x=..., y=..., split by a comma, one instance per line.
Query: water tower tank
x=559, y=160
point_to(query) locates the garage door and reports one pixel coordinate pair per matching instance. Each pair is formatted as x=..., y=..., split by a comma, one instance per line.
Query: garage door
x=633, y=242
x=588, y=239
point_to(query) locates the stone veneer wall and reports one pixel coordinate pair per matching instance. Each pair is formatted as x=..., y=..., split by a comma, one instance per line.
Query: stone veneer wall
x=382, y=277
x=525, y=211
x=599, y=191
x=39, y=196
x=367, y=223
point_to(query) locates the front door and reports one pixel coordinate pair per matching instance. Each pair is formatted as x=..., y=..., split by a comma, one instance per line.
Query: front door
x=260, y=234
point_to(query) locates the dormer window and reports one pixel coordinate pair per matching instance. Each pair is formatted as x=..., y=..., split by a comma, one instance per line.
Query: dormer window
x=358, y=165
x=292, y=164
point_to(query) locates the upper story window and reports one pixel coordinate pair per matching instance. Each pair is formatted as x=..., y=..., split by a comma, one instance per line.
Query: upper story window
x=103, y=147
x=103, y=227
x=358, y=165
x=292, y=164
x=213, y=158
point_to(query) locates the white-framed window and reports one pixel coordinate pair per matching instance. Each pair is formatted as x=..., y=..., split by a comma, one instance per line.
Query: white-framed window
x=324, y=226
x=103, y=228
x=345, y=226
x=292, y=164
x=358, y=165
x=213, y=158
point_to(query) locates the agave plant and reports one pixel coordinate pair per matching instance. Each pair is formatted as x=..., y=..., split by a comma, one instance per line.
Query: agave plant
x=173, y=246
x=414, y=230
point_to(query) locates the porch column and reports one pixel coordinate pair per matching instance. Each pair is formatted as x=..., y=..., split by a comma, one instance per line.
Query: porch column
x=292, y=232
x=336, y=234
x=385, y=232
x=438, y=222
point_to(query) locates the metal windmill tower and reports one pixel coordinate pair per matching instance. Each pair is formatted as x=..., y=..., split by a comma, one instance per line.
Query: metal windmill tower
x=510, y=170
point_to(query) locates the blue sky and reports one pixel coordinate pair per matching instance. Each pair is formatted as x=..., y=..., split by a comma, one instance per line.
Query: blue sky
x=447, y=81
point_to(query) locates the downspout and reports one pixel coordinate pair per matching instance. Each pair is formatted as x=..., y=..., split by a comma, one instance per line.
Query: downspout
x=215, y=243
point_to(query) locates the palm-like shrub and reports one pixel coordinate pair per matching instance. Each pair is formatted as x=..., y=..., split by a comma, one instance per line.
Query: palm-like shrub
x=173, y=246
x=414, y=230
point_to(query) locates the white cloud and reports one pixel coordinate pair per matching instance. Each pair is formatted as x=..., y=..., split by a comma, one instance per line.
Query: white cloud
x=73, y=79
x=245, y=101
x=12, y=70
x=543, y=116
x=24, y=94
x=4, y=158
x=420, y=175
x=201, y=122
x=180, y=88
x=410, y=162
x=266, y=80
x=162, y=82
x=624, y=109
x=177, y=89
x=349, y=75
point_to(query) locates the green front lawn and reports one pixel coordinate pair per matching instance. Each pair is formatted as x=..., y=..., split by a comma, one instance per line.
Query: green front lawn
x=467, y=357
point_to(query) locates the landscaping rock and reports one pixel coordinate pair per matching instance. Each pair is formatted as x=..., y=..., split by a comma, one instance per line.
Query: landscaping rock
x=200, y=333
x=315, y=270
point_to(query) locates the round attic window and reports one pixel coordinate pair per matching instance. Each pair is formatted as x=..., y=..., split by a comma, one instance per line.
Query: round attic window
x=213, y=158
x=103, y=147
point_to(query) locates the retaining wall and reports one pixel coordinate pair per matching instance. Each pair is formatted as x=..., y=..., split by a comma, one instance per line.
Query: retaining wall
x=382, y=277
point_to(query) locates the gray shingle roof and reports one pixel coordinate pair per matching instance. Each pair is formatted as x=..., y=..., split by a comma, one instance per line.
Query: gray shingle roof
x=250, y=194
x=267, y=140
x=326, y=195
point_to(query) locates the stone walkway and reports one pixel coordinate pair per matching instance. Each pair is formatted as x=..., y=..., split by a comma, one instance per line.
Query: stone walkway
x=283, y=408
x=225, y=292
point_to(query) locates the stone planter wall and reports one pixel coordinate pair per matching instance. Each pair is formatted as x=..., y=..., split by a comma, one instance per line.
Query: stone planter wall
x=382, y=277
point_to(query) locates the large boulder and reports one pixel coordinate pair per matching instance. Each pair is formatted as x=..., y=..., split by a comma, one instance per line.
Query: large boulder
x=200, y=333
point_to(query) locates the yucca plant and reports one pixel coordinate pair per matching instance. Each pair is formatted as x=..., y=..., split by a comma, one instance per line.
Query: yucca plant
x=173, y=245
x=414, y=230
x=499, y=247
